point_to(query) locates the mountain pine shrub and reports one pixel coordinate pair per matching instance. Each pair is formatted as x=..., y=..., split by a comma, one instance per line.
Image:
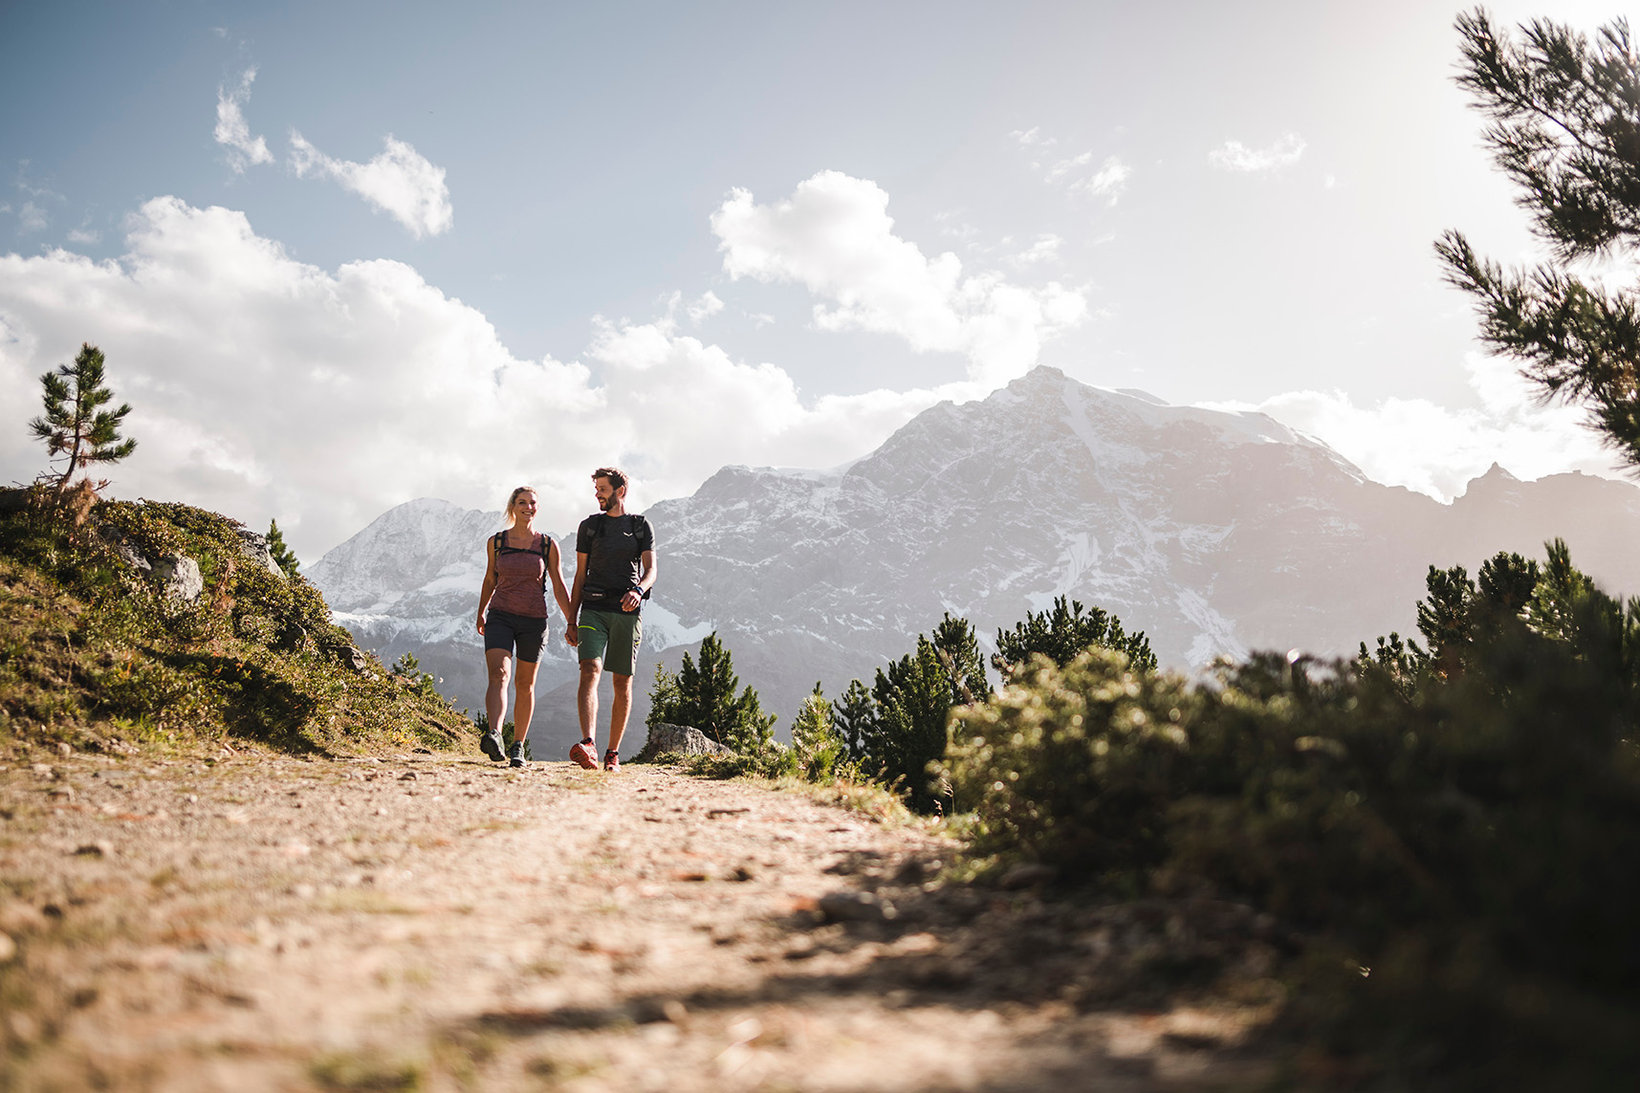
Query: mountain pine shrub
x=1453, y=830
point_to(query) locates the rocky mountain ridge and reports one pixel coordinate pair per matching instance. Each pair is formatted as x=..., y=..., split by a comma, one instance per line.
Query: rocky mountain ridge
x=1213, y=532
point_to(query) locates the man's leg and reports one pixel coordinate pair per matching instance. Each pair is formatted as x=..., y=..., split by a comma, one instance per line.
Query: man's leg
x=587, y=698
x=619, y=707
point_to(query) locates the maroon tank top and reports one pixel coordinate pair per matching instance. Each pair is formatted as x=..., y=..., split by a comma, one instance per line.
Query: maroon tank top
x=519, y=578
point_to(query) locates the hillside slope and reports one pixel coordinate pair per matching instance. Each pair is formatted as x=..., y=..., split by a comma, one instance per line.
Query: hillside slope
x=161, y=624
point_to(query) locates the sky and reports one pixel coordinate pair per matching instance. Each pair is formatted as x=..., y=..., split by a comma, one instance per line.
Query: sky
x=340, y=256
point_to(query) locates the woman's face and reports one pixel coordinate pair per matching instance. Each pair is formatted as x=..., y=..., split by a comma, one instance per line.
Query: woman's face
x=524, y=507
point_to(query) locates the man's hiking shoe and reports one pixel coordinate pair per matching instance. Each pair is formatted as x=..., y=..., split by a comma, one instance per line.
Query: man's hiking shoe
x=517, y=758
x=612, y=761
x=491, y=743
x=582, y=755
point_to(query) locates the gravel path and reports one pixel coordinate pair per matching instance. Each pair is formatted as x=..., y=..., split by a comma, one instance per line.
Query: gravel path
x=434, y=923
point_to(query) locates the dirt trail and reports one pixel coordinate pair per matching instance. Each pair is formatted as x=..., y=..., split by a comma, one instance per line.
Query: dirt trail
x=436, y=923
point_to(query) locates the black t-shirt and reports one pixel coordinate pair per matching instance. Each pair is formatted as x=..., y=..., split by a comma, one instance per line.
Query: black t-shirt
x=614, y=546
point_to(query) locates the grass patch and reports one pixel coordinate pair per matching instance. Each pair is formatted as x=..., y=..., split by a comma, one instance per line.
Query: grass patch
x=356, y=1073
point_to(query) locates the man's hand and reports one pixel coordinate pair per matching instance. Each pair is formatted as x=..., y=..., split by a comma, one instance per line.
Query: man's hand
x=631, y=601
x=572, y=634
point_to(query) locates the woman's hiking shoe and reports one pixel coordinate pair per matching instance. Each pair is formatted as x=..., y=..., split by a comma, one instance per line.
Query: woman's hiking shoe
x=491, y=743
x=517, y=758
x=582, y=755
x=612, y=760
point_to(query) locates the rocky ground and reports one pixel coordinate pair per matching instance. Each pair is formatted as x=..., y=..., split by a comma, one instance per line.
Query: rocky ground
x=421, y=922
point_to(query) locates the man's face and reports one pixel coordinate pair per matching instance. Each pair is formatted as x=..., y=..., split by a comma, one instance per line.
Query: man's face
x=604, y=492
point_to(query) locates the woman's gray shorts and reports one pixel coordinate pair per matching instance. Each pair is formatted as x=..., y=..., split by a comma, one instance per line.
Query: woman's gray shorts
x=503, y=630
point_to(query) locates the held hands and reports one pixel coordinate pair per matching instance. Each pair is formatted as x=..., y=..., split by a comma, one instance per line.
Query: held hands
x=572, y=634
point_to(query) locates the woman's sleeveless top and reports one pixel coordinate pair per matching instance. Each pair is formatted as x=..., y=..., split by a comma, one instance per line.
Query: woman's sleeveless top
x=520, y=578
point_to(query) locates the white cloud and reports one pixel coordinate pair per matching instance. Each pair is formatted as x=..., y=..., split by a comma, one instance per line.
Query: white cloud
x=703, y=308
x=400, y=181
x=1066, y=166
x=1108, y=182
x=835, y=237
x=232, y=129
x=265, y=387
x=1032, y=136
x=1437, y=450
x=1233, y=155
x=1044, y=249
x=84, y=236
x=32, y=218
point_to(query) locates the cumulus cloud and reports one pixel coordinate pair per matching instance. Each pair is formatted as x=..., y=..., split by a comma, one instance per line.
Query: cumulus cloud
x=400, y=181
x=265, y=387
x=1438, y=450
x=1233, y=155
x=834, y=236
x=232, y=129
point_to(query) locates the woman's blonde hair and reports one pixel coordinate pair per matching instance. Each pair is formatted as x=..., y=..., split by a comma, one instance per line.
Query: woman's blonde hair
x=509, y=515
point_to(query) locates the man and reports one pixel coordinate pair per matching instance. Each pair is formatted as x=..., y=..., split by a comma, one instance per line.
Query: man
x=614, y=571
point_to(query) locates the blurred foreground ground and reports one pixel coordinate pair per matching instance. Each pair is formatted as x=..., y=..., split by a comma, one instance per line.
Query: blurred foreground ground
x=433, y=923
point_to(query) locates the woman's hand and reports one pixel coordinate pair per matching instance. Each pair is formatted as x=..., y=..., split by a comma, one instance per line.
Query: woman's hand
x=481, y=624
x=572, y=635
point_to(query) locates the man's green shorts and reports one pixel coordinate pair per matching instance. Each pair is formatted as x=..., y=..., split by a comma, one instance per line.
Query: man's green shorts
x=610, y=636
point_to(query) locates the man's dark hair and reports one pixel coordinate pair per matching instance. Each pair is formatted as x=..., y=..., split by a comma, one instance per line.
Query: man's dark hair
x=616, y=478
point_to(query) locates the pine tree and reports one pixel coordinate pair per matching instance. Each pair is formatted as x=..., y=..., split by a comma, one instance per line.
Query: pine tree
x=856, y=717
x=1063, y=633
x=958, y=650
x=1565, y=126
x=75, y=424
x=282, y=554
x=702, y=696
x=818, y=747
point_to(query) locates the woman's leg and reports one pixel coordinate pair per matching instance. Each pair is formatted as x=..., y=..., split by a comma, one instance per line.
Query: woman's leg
x=524, y=698
x=498, y=661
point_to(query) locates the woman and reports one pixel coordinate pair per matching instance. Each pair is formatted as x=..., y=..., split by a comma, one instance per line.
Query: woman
x=512, y=616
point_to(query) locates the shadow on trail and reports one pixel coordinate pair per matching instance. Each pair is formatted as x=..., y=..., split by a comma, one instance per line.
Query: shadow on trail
x=910, y=944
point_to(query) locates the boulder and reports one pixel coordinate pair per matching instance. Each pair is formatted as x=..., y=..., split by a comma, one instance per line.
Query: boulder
x=678, y=740
x=179, y=578
x=123, y=548
x=254, y=546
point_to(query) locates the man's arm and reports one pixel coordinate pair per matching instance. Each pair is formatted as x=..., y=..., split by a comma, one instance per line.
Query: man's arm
x=573, y=634
x=646, y=580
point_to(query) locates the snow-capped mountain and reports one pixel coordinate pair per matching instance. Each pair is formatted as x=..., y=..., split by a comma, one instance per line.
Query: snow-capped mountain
x=1212, y=532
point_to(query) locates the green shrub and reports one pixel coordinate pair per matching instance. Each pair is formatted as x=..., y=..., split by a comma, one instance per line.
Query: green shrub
x=1463, y=828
